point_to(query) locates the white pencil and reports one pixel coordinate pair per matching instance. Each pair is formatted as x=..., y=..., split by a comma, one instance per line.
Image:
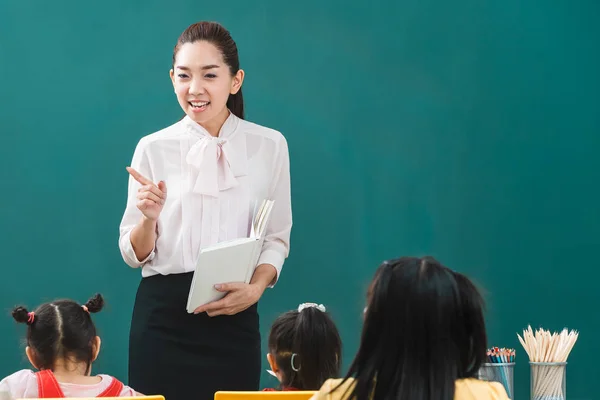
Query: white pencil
x=546, y=347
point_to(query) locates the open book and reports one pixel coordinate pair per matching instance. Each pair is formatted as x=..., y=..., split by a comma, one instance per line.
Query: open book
x=230, y=261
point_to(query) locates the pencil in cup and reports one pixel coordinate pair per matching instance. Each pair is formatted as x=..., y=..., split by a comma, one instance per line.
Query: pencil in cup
x=499, y=368
x=548, y=380
x=548, y=353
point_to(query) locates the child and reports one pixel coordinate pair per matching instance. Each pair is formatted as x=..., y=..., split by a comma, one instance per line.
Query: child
x=62, y=344
x=304, y=348
x=423, y=338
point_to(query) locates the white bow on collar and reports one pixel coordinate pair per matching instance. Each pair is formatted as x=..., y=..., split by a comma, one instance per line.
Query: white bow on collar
x=218, y=160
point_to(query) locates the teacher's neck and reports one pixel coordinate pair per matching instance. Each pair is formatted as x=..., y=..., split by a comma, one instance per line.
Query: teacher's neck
x=214, y=125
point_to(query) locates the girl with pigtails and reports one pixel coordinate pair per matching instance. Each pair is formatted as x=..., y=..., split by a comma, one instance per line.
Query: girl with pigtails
x=62, y=344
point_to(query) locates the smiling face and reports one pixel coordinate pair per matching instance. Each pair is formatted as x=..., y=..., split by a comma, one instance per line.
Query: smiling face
x=203, y=82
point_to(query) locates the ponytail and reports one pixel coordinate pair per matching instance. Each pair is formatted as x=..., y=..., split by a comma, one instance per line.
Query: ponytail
x=307, y=348
x=235, y=104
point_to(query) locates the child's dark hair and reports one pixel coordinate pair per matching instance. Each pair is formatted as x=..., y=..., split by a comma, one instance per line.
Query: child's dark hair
x=307, y=348
x=423, y=330
x=61, y=329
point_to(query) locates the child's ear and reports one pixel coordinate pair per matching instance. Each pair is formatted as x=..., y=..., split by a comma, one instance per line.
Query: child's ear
x=272, y=362
x=96, y=347
x=31, y=356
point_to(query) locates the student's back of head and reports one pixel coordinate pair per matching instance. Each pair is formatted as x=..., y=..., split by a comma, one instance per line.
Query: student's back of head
x=304, y=348
x=61, y=331
x=62, y=343
x=423, y=330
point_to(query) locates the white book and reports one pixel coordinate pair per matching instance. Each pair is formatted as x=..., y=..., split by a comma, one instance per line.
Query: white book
x=230, y=261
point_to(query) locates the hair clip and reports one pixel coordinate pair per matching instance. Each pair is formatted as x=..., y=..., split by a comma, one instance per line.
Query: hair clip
x=85, y=309
x=292, y=362
x=319, y=307
x=30, y=317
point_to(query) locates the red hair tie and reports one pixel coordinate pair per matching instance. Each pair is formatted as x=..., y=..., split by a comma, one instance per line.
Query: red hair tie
x=31, y=317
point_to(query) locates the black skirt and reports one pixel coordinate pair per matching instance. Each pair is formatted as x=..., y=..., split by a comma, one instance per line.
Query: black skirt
x=186, y=356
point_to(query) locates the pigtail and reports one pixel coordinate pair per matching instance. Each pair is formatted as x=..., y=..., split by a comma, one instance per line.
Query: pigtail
x=94, y=304
x=316, y=348
x=21, y=315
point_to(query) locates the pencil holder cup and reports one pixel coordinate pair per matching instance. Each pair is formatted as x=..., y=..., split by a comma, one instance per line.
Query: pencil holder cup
x=548, y=380
x=499, y=372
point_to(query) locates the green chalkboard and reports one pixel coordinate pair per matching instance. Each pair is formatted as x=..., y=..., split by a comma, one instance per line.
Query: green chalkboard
x=467, y=130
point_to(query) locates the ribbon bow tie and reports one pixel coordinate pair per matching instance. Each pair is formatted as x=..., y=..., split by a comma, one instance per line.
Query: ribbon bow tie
x=211, y=156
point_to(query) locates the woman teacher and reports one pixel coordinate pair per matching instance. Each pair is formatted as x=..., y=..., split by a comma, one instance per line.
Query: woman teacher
x=192, y=185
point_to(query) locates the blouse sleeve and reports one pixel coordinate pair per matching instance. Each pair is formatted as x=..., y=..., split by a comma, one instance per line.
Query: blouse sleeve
x=277, y=238
x=132, y=215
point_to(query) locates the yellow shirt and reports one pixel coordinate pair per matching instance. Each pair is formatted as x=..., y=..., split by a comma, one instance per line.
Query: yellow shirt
x=466, y=389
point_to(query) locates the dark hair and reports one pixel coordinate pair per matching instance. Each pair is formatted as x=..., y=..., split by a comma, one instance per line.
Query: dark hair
x=61, y=328
x=220, y=37
x=311, y=341
x=423, y=330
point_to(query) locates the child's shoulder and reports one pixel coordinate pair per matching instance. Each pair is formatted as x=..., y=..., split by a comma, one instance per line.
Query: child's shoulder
x=23, y=374
x=126, y=391
x=17, y=383
x=480, y=389
x=334, y=389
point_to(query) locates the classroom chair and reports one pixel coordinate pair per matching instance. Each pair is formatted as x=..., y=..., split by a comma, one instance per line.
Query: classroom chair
x=290, y=395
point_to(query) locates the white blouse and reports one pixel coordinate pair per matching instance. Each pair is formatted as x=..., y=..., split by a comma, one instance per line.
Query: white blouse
x=213, y=185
